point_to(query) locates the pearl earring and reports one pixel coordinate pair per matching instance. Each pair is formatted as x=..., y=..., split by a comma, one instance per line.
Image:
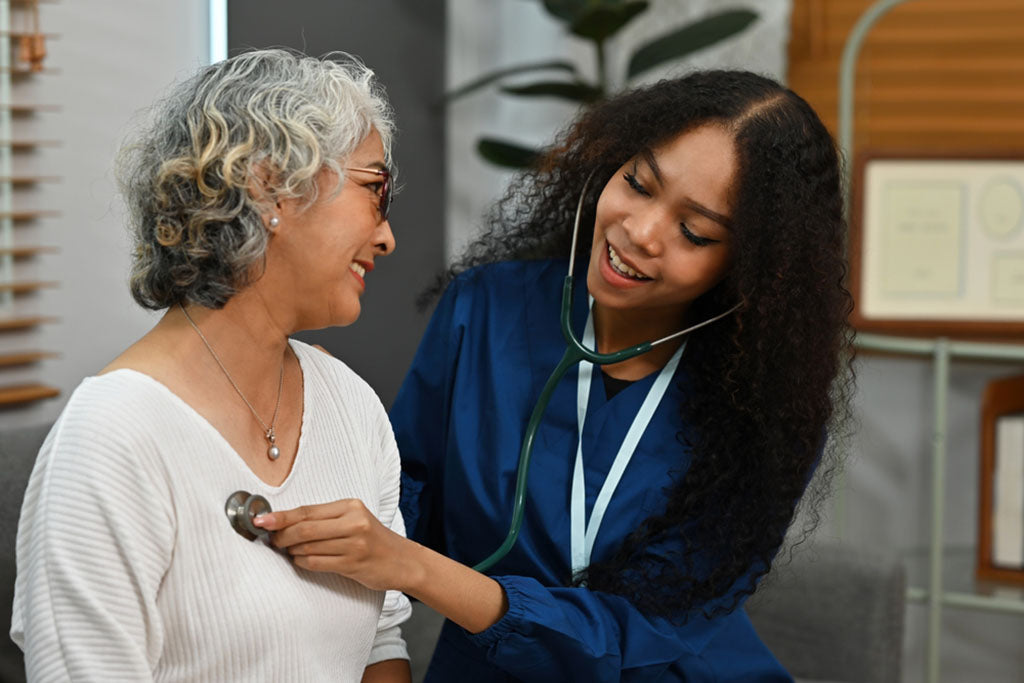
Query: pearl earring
x=274, y=221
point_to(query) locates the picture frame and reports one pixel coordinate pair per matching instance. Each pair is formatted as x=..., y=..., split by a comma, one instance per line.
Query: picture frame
x=1000, y=547
x=937, y=244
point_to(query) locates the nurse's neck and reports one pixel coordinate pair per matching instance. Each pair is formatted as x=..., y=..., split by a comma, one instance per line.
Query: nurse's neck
x=616, y=329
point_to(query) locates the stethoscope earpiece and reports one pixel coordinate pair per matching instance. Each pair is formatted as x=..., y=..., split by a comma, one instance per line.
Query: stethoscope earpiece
x=241, y=507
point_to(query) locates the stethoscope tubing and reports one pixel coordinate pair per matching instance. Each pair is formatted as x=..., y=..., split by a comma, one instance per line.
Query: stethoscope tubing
x=575, y=352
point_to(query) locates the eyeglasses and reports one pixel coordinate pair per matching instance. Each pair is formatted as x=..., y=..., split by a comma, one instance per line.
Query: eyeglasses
x=386, y=188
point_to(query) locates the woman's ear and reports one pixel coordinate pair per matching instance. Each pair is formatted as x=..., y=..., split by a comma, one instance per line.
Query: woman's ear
x=261, y=190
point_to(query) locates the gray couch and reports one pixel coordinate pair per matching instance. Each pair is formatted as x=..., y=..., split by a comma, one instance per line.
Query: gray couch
x=18, y=450
x=830, y=614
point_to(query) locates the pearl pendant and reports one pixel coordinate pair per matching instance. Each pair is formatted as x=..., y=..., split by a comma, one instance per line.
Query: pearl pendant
x=273, y=452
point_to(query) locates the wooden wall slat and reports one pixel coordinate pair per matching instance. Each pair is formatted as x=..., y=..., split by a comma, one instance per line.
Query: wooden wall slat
x=938, y=74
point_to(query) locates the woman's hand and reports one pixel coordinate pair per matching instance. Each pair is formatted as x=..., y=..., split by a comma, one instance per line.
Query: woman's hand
x=345, y=538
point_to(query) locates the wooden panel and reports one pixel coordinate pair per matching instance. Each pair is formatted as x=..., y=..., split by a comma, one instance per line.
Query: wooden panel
x=26, y=252
x=23, y=322
x=22, y=287
x=28, y=179
x=1002, y=397
x=24, y=358
x=25, y=393
x=29, y=215
x=27, y=34
x=938, y=74
x=19, y=145
x=22, y=71
x=21, y=109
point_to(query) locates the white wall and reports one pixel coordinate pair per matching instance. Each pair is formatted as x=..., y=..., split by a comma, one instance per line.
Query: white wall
x=114, y=58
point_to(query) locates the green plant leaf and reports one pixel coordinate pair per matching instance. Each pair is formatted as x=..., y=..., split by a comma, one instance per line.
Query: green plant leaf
x=689, y=39
x=487, y=79
x=507, y=154
x=576, y=91
x=566, y=10
x=600, y=23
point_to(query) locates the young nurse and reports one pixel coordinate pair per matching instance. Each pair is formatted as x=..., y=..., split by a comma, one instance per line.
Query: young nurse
x=661, y=487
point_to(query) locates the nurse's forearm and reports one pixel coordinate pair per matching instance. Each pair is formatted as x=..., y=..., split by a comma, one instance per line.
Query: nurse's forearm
x=472, y=600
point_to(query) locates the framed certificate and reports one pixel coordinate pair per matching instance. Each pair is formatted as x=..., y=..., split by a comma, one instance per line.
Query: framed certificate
x=1001, y=498
x=937, y=244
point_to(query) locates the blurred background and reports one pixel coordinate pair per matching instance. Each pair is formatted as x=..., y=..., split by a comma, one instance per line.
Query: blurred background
x=477, y=87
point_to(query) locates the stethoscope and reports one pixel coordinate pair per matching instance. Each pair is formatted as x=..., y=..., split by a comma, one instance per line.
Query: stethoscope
x=575, y=352
x=241, y=507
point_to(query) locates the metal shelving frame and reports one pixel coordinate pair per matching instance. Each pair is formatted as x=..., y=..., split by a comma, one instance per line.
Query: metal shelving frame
x=942, y=351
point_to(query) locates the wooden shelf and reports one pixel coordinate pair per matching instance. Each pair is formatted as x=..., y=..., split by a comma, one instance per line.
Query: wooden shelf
x=28, y=144
x=29, y=179
x=26, y=393
x=27, y=34
x=23, y=322
x=20, y=109
x=25, y=286
x=26, y=252
x=26, y=71
x=29, y=215
x=8, y=360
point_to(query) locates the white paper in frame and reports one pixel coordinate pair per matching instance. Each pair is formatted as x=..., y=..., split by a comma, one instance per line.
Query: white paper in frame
x=940, y=241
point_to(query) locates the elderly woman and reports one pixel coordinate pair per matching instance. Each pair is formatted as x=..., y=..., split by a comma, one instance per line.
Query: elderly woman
x=259, y=198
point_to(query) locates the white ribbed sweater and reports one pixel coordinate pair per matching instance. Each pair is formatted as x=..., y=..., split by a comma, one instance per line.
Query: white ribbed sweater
x=129, y=570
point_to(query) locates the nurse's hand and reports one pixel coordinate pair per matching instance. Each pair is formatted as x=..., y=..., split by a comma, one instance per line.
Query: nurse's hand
x=345, y=538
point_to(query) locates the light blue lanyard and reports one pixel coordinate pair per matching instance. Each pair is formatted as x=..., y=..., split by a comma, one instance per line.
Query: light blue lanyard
x=582, y=535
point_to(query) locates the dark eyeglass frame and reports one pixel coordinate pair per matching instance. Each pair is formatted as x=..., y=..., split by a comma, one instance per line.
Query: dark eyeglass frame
x=386, y=188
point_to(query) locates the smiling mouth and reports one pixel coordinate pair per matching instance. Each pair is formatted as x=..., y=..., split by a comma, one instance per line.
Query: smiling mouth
x=623, y=269
x=357, y=269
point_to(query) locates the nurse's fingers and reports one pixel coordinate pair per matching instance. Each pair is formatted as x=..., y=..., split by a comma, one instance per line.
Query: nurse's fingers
x=322, y=563
x=317, y=530
x=280, y=519
x=334, y=546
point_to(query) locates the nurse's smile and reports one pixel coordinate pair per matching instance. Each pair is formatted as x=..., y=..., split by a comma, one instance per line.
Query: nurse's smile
x=617, y=273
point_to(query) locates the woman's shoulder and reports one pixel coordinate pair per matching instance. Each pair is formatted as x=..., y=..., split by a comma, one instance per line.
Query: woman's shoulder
x=118, y=396
x=121, y=416
x=326, y=372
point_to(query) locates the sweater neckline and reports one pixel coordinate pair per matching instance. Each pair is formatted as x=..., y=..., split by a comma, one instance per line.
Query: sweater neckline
x=208, y=426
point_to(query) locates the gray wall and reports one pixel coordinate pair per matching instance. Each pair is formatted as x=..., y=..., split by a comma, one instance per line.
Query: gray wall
x=404, y=42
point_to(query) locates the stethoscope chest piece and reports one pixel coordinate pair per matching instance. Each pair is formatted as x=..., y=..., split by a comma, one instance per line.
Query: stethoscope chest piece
x=241, y=507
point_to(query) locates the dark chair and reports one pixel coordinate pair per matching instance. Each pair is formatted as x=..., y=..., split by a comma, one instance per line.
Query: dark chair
x=834, y=613
x=18, y=449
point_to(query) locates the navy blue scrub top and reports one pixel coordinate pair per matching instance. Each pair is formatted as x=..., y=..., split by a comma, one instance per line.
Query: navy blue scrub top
x=459, y=419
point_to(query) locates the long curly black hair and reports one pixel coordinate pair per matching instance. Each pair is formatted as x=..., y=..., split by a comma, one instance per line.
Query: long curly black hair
x=768, y=383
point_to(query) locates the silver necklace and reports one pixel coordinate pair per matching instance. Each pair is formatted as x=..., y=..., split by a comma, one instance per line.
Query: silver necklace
x=268, y=432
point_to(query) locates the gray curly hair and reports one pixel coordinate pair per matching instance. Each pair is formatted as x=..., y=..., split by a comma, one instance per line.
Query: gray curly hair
x=263, y=118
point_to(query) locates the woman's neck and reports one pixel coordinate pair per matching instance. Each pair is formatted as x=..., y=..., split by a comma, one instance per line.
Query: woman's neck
x=247, y=327
x=617, y=329
x=245, y=335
